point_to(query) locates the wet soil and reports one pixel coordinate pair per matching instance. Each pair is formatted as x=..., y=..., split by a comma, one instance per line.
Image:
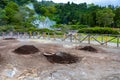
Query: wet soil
x=87, y=48
x=26, y=49
x=9, y=39
x=62, y=58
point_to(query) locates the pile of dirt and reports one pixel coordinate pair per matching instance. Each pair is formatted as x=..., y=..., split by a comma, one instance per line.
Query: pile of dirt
x=61, y=58
x=26, y=49
x=88, y=48
x=1, y=59
x=9, y=39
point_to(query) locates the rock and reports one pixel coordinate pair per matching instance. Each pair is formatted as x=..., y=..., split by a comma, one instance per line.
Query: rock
x=10, y=71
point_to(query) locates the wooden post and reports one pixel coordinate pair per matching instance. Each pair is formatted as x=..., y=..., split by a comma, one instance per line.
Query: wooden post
x=64, y=36
x=88, y=38
x=30, y=34
x=118, y=41
x=18, y=34
x=76, y=37
x=48, y=36
x=34, y=34
x=11, y=34
x=38, y=35
x=44, y=35
x=106, y=40
x=80, y=37
x=102, y=40
x=24, y=34
x=3, y=35
x=70, y=37
x=54, y=36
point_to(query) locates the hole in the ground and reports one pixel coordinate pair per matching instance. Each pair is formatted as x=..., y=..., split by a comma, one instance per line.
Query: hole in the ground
x=87, y=48
x=26, y=49
x=9, y=39
x=61, y=57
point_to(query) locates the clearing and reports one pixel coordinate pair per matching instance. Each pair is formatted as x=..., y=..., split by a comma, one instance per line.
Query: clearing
x=32, y=60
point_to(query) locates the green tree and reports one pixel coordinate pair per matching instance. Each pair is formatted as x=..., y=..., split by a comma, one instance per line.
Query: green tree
x=27, y=17
x=3, y=17
x=117, y=17
x=92, y=10
x=3, y=3
x=22, y=2
x=11, y=9
x=105, y=17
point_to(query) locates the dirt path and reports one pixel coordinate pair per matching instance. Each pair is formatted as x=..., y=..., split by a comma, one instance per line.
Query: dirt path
x=103, y=65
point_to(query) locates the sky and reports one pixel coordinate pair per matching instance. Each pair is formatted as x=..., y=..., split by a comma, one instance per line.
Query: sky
x=98, y=2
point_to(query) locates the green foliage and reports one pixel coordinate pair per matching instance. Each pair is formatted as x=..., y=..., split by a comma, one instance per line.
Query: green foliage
x=69, y=27
x=16, y=28
x=45, y=30
x=3, y=3
x=83, y=26
x=72, y=16
x=73, y=13
x=23, y=2
x=117, y=18
x=6, y=28
x=11, y=9
x=105, y=17
x=3, y=17
x=59, y=33
x=99, y=30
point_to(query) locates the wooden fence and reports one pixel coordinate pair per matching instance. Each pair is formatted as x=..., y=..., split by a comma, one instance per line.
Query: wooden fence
x=104, y=39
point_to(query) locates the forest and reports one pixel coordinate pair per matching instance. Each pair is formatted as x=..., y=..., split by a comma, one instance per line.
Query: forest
x=15, y=14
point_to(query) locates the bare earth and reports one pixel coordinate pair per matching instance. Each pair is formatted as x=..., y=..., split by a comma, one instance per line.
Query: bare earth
x=103, y=65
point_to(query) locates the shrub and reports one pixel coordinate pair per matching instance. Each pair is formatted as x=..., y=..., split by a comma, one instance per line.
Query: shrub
x=59, y=33
x=98, y=30
x=45, y=30
x=82, y=26
x=76, y=27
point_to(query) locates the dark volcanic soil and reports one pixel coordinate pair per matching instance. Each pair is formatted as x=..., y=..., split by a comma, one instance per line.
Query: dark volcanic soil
x=26, y=49
x=37, y=66
x=87, y=48
x=9, y=39
x=62, y=58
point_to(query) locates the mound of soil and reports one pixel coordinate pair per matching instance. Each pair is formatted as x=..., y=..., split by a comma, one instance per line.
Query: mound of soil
x=26, y=49
x=1, y=59
x=61, y=58
x=9, y=39
x=88, y=48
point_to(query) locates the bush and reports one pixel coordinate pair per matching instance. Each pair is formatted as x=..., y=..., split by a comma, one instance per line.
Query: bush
x=76, y=27
x=82, y=26
x=59, y=33
x=99, y=30
x=45, y=30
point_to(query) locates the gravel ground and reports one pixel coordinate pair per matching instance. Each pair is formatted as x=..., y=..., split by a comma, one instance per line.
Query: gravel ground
x=103, y=65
